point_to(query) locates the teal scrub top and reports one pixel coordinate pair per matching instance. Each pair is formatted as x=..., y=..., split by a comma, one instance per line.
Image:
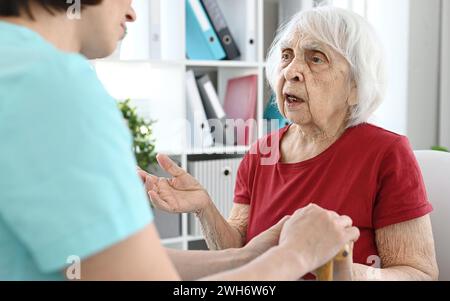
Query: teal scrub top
x=68, y=181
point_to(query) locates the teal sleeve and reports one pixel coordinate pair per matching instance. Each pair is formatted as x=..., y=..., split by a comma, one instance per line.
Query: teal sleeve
x=72, y=187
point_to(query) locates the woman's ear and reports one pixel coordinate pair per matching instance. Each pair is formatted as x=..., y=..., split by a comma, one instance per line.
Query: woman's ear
x=353, y=96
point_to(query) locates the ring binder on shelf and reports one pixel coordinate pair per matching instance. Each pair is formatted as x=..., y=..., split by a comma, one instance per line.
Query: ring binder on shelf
x=155, y=29
x=213, y=107
x=202, y=42
x=199, y=127
x=220, y=26
x=250, y=40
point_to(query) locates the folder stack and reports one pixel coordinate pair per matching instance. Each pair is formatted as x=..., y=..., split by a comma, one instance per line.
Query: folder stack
x=200, y=131
x=219, y=23
x=208, y=36
x=217, y=125
x=202, y=42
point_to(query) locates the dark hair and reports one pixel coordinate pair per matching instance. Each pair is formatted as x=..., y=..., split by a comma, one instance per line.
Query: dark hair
x=13, y=8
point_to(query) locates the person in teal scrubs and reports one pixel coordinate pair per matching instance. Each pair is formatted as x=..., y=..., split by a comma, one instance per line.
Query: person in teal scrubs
x=68, y=182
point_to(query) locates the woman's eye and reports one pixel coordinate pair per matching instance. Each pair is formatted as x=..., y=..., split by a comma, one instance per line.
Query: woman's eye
x=286, y=57
x=317, y=60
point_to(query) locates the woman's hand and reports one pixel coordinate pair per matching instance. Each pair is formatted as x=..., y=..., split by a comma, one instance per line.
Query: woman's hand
x=316, y=235
x=180, y=194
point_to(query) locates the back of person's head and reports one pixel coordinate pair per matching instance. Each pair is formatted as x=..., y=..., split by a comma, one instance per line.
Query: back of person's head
x=16, y=8
x=100, y=23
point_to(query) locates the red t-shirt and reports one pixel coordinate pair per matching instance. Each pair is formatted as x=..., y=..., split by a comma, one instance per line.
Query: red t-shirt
x=369, y=174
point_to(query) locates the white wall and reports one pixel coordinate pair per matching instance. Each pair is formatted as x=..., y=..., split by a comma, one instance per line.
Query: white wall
x=410, y=31
x=424, y=67
x=391, y=21
x=444, y=138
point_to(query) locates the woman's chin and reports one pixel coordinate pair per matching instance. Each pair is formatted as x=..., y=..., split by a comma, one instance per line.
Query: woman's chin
x=298, y=117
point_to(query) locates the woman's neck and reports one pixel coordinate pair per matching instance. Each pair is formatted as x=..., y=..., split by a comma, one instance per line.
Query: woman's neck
x=302, y=143
x=312, y=134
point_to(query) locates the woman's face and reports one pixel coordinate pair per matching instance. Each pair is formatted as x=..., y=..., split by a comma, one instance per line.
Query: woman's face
x=104, y=25
x=314, y=86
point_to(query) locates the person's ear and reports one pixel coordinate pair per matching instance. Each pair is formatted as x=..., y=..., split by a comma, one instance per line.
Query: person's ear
x=353, y=97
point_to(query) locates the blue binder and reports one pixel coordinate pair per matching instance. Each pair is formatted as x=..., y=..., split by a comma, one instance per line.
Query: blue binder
x=272, y=113
x=202, y=42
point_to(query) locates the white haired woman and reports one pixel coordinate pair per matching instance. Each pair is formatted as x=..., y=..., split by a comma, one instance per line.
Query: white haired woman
x=326, y=68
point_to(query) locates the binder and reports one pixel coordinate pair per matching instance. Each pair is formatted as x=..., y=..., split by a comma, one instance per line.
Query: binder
x=240, y=104
x=202, y=42
x=221, y=28
x=172, y=20
x=155, y=29
x=200, y=131
x=218, y=177
x=272, y=117
x=213, y=108
x=250, y=53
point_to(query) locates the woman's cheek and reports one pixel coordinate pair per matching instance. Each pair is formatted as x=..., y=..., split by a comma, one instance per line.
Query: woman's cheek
x=318, y=111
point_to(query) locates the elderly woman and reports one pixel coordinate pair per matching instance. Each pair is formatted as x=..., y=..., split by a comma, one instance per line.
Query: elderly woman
x=326, y=68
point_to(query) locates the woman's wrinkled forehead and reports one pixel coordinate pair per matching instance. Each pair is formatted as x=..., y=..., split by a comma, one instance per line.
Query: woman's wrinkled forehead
x=299, y=40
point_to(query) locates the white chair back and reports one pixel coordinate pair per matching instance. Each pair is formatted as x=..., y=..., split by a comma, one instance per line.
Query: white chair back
x=435, y=167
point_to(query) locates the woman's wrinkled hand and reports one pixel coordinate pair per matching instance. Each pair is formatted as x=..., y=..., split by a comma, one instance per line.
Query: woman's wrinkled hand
x=180, y=194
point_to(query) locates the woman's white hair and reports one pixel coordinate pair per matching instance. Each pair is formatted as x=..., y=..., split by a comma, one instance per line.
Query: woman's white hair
x=354, y=38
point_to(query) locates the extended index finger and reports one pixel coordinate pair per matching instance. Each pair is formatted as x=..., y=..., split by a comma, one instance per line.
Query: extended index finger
x=169, y=166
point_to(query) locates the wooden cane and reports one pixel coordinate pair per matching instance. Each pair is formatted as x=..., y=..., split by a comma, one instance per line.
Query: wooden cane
x=325, y=273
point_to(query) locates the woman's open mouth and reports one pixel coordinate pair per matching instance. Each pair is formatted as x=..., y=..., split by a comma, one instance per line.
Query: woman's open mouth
x=292, y=101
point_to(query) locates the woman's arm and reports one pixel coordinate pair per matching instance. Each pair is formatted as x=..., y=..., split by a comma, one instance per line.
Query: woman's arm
x=193, y=265
x=406, y=251
x=221, y=234
x=141, y=256
x=324, y=233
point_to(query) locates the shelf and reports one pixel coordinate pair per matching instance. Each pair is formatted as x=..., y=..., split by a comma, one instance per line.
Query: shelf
x=194, y=238
x=217, y=150
x=175, y=240
x=187, y=63
x=225, y=64
x=180, y=239
x=151, y=62
x=230, y=150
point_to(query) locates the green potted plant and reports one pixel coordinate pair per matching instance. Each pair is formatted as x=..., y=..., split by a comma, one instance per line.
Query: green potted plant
x=440, y=149
x=142, y=132
x=144, y=149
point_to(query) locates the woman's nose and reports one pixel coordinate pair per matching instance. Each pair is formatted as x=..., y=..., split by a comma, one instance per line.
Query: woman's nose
x=294, y=72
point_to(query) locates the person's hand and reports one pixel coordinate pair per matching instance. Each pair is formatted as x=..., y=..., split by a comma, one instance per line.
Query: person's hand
x=180, y=194
x=316, y=235
x=266, y=240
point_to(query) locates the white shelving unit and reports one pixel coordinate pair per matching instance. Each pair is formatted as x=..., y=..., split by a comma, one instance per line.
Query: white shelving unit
x=157, y=86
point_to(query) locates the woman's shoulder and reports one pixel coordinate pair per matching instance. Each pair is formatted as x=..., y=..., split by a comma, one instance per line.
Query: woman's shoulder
x=371, y=132
x=377, y=139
